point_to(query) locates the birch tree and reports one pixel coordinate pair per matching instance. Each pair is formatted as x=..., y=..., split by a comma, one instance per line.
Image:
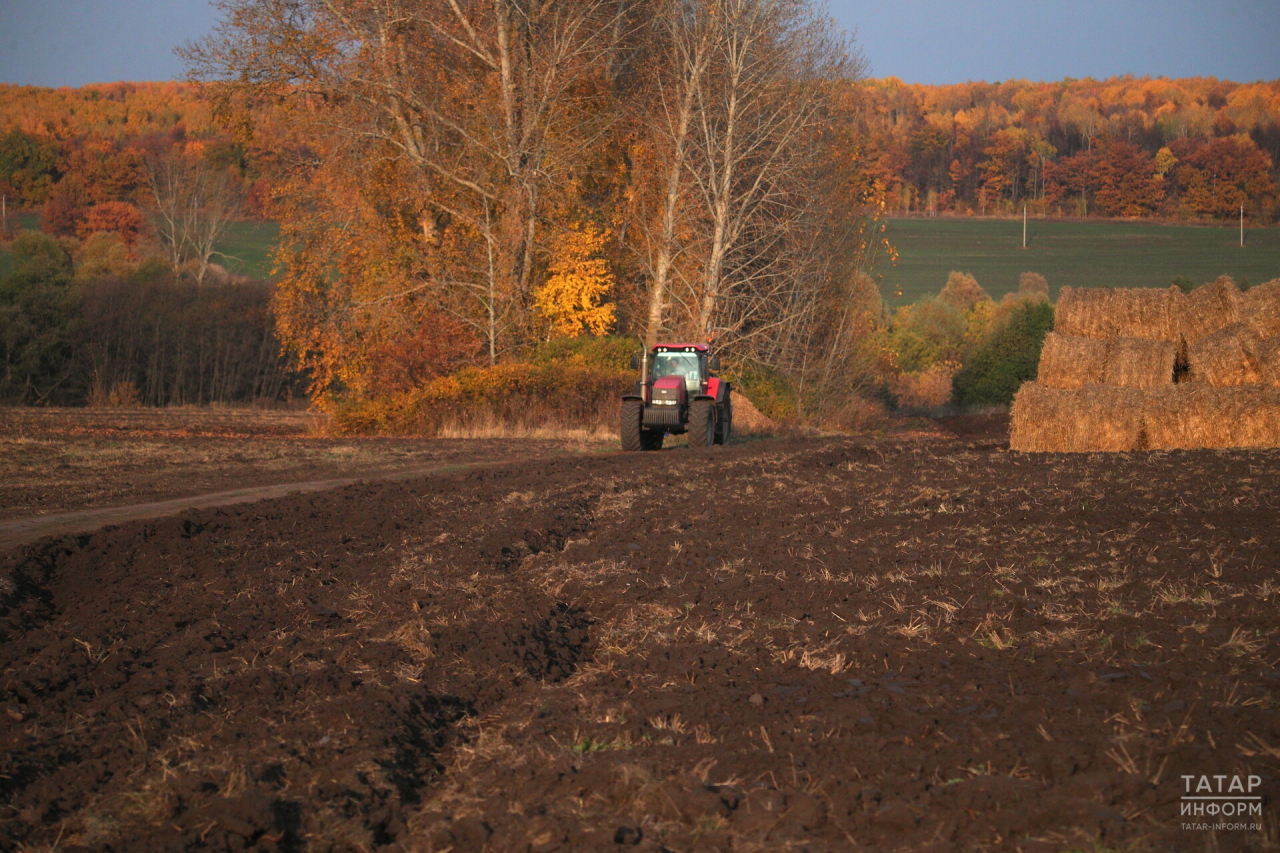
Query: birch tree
x=193, y=207
x=755, y=113
x=734, y=97
x=451, y=143
x=682, y=46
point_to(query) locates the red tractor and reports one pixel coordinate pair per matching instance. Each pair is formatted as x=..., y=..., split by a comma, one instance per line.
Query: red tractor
x=678, y=392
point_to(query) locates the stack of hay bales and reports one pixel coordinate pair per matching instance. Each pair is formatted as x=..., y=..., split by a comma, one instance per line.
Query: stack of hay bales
x=1156, y=369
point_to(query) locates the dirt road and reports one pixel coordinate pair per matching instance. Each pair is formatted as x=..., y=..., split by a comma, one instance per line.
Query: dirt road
x=821, y=644
x=58, y=461
x=21, y=531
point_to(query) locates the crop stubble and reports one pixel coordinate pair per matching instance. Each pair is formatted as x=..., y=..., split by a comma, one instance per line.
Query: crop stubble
x=820, y=644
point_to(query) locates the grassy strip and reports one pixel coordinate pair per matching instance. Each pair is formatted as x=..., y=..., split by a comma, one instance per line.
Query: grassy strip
x=517, y=399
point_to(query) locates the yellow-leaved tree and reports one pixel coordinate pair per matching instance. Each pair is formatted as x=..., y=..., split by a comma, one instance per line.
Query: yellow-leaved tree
x=571, y=301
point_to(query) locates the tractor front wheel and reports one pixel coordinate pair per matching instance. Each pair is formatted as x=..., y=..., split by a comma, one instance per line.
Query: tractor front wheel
x=630, y=428
x=702, y=423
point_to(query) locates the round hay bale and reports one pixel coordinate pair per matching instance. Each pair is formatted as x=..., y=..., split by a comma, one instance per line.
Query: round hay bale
x=1209, y=309
x=1102, y=313
x=1068, y=361
x=1076, y=420
x=1138, y=363
x=1260, y=309
x=1226, y=357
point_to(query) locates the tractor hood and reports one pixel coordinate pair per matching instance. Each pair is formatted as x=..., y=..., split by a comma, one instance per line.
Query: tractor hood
x=669, y=391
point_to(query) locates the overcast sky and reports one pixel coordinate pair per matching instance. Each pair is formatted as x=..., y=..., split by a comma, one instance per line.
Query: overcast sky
x=73, y=42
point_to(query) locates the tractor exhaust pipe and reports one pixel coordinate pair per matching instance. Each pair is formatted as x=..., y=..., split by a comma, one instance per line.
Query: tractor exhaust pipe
x=644, y=375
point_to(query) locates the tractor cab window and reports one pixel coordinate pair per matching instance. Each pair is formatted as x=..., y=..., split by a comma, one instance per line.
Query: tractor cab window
x=686, y=364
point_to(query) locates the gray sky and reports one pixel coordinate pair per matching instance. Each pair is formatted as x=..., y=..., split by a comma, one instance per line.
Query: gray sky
x=951, y=41
x=73, y=42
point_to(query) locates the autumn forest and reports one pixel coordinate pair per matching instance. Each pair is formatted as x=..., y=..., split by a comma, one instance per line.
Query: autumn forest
x=461, y=191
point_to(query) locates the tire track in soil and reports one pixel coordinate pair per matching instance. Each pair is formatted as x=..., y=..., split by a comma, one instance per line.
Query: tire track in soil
x=21, y=531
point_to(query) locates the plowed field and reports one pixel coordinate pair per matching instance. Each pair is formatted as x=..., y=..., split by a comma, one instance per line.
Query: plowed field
x=911, y=643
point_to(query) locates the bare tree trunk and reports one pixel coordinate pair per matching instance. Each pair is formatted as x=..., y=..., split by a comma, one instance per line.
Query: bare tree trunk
x=689, y=48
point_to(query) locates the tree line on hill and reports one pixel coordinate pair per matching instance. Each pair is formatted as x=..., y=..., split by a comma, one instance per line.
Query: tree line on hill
x=1187, y=148
x=1194, y=149
x=117, y=300
x=66, y=151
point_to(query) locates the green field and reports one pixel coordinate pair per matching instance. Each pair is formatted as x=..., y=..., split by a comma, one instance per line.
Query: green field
x=1075, y=254
x=244, y=250
x=1078, y=254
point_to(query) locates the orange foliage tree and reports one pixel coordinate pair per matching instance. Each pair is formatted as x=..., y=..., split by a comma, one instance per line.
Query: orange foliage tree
x=571, y=300
x=1214, y=178
x=114, y=216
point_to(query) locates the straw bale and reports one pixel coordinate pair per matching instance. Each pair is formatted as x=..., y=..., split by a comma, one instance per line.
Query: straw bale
x=1268, y=353
x=1194, y=415
x=1226, y=357
x=1210, y=308
x=1070, y=362
x=1138, y=363
x=1260, y=308
x=1076, y=420
x=1100, y=313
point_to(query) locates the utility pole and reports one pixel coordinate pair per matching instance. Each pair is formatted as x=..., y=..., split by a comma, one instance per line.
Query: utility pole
x=4, y=215
x=1241, y=226
x=1024, y=225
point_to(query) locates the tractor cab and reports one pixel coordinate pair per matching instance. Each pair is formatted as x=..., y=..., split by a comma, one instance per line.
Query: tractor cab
x=690, y=362
x=678, y=392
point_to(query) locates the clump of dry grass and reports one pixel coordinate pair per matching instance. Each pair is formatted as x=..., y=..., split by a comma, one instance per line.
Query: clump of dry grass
x=488, y=426
x=521, y=397
x=923, y=391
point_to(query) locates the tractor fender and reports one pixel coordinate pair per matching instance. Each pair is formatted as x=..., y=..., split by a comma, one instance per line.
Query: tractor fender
x=718, y=389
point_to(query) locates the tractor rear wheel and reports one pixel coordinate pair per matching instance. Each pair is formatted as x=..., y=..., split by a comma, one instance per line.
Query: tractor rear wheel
x=724, y=426
x=630, y=429
x=702, y=423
